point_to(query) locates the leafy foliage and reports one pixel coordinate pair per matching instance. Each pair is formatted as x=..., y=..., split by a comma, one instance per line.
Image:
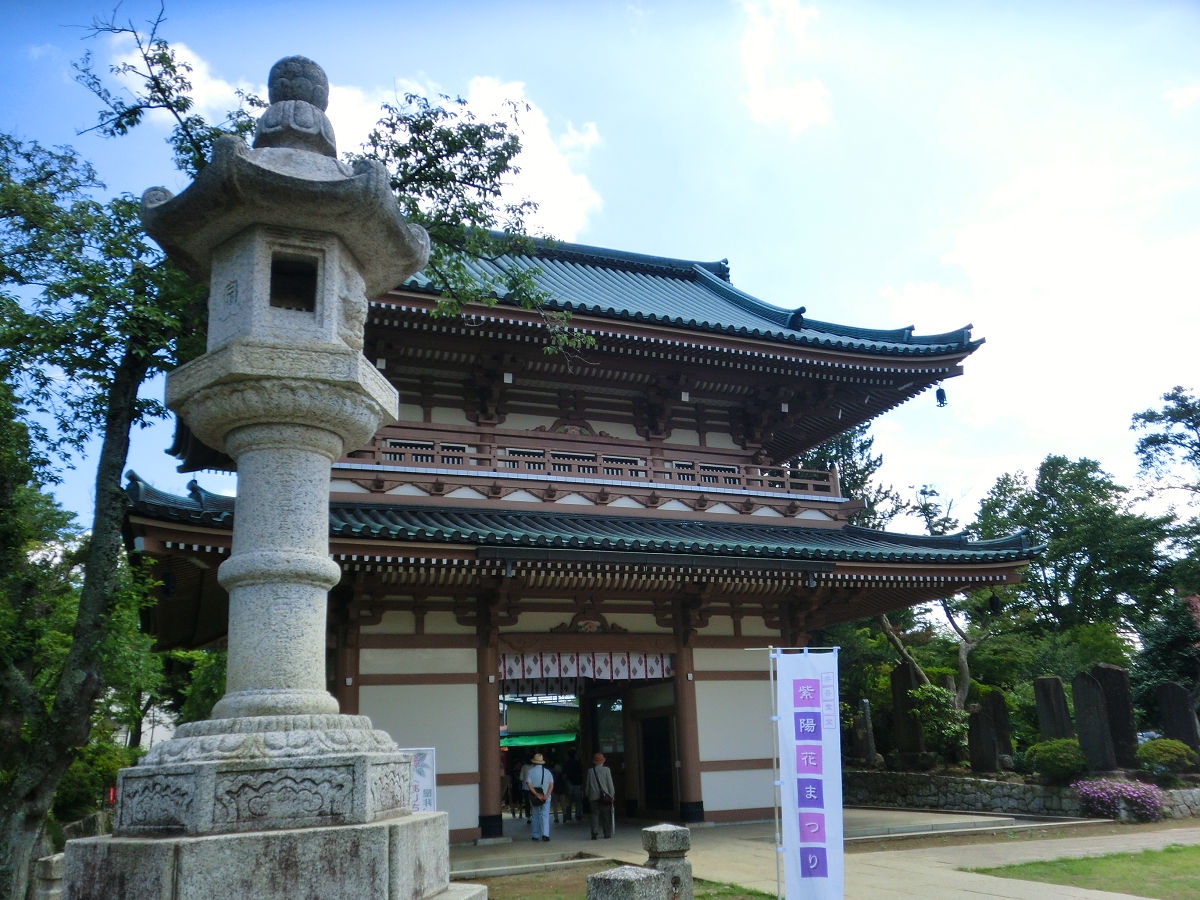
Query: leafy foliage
x=1102, y=561
x=91, y=773
x=196, y=682
x=1171, y=436
x=1170, y=651
x=1159, y=755
x=1059, y=760
x=944, y=725
x=164, y=84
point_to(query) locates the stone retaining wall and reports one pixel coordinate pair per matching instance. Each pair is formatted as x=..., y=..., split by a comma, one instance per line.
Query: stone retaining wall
x=1182, y=804
x=919, y=790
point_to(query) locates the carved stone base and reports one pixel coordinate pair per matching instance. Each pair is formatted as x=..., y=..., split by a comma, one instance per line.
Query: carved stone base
x=226, y=776
x=396, y=859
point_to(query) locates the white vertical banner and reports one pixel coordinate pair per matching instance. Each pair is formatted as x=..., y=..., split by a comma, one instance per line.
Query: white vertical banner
x=810, y=772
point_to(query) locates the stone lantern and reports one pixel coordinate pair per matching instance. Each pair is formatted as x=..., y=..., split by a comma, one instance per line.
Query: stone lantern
x=277, y=795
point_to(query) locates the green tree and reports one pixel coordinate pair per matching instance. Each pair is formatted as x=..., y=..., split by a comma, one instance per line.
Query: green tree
x=92, y=313
x=858, y=465
x=1170, y=439
x=1102, y=563
x=1170, y=651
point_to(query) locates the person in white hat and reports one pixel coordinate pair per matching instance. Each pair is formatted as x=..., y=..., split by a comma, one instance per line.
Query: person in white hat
x=540, y=782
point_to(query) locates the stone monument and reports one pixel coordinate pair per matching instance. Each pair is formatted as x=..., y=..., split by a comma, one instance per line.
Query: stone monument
x=277, y=795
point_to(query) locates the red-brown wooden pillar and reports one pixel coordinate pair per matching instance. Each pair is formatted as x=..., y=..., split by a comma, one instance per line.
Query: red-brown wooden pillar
x=691, y=800
x=491, y=817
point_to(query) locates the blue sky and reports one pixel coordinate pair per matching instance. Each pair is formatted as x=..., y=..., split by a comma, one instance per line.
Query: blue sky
x=1031, y=168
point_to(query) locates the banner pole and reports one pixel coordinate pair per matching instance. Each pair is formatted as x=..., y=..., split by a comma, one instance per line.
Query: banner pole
x=772, y=654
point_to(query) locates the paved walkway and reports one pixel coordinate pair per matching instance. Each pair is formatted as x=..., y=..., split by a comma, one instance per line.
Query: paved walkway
x=745, y=855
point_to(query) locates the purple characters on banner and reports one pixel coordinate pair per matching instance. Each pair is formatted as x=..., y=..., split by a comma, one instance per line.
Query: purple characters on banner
x=812, y=828
x=810, y=763
x=809, y=721
x=813, y=862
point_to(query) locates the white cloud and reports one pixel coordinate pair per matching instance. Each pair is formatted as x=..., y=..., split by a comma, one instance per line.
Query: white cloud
x=774, y=47
x=40, y=51
x=1183, y=97
x=1086, y=295
x=548, y=161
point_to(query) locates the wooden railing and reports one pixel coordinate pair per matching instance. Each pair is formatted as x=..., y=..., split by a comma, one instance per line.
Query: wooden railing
x=534, y=453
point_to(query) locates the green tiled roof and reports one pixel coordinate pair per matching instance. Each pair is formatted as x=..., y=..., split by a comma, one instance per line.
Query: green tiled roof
x=554, y=531
x=690, y=295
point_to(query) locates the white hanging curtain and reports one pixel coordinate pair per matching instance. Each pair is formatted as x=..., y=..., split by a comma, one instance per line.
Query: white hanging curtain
x=561, y=673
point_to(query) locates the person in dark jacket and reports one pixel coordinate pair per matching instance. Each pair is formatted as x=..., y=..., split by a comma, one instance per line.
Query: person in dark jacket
x=598, y=788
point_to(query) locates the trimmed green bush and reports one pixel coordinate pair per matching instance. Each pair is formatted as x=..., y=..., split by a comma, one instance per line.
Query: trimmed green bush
x=1060, y=761
x=1166, y=755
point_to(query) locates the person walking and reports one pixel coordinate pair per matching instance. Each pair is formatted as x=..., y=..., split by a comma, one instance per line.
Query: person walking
x=599, y=790
x=540, y=782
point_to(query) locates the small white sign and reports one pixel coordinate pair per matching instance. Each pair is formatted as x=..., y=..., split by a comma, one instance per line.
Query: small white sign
x=424, y=778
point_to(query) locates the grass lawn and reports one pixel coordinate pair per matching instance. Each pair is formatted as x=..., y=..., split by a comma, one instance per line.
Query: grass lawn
x=571, y=884
x=1170, y=873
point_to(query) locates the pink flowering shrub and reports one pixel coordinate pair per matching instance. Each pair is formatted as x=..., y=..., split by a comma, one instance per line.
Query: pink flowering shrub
x=1109, y=799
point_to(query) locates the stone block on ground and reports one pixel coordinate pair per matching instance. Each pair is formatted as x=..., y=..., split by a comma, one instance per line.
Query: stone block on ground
x=667, y=846
x=628, y=883
x=398, y=859
x=666, y=840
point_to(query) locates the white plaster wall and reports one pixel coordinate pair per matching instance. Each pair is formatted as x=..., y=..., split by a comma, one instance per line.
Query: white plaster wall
x=708, y=660
x=720, y=440
x=684, y=436
x=393, y=621
x=752, y=789
x=444, y=415
x=433, y=715
x=734, y=719
x=415, y=661
x=444, y=622
x=461, y=801
x=755, y=627
x=718, y=626
x=410, y=412
x=428, y=715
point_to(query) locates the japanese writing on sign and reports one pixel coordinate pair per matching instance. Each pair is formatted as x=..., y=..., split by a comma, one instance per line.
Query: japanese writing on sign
x=809, y=737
